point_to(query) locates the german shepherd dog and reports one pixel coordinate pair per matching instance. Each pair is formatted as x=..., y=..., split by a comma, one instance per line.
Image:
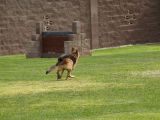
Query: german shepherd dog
x=66, y=62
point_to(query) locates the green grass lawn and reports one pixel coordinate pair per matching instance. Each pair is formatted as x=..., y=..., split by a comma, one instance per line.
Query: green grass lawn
x=113, y=84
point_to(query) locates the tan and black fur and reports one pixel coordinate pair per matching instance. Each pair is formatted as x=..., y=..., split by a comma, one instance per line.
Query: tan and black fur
x=67, y=62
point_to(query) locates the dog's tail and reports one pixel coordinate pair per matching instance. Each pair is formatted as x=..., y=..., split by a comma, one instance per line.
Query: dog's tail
x=51, y=69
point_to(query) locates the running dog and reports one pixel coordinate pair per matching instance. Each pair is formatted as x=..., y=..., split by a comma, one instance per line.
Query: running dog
x=66, y=62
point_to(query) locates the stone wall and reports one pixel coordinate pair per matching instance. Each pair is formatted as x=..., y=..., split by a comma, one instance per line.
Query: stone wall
x=128, y=22
x=120, y=22
x=18, y=20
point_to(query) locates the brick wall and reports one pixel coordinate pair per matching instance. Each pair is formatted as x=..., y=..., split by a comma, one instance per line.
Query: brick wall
x=128, y=22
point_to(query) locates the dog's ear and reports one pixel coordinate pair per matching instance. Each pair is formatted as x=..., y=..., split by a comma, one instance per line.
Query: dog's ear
x=73, y=49
x=77, y=52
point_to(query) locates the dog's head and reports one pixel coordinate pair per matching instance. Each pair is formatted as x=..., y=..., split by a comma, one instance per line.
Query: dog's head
x=75, y=52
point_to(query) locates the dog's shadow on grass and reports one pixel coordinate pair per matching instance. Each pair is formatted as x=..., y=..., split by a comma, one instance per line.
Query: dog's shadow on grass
x=60, y=80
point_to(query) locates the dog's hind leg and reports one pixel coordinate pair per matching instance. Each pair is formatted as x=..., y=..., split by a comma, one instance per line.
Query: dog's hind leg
x=58, y=74
x=71, y=76
x=62, y=72
x=68, y=74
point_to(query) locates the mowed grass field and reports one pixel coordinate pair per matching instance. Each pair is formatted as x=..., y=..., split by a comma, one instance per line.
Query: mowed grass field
x=113, y=84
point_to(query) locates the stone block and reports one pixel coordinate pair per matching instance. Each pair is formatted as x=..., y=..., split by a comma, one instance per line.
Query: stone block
x=83, y=36
x=85, y=49
x=50, y=55
x=33, y=49
x=86, y=43
x=72, y=37
x=76, y=27
x=82, y=27
x=68, y=46
x=39, y=27
x=32, y=55
x=36, y=37
x=34, y=44
x=86, y=52
x=78, y=41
